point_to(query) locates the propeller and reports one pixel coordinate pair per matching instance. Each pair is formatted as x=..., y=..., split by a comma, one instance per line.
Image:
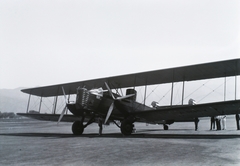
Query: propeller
x=115, y=99
x=65, y=108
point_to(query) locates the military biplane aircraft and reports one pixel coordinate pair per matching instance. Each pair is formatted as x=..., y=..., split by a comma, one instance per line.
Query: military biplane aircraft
x=95, y=98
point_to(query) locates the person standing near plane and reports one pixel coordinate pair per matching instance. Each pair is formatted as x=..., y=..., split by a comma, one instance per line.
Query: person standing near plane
x=224, y=125
x=196, y=120
x=100, y=123
x=237, y=121
x=212, y=127
x=218, y=122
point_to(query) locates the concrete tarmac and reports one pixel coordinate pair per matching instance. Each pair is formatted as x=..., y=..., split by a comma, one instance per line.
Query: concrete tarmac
x=31, y=142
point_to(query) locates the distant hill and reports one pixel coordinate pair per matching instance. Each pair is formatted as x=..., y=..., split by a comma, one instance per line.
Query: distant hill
x=13, y=100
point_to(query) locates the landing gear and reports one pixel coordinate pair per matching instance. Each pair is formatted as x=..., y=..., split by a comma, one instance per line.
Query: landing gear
x=165, y=127
x=77, y=128
x=126, y=127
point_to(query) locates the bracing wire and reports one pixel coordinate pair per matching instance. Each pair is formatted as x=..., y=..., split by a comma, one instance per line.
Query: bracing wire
x=213, y=90
x=197, y=89
x=47, y=106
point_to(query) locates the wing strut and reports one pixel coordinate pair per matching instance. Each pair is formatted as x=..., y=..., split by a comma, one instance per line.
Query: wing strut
x=29, y=98
x=183, y=91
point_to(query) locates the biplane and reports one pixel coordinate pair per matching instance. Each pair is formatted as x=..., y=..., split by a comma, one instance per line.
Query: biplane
x=101, y=98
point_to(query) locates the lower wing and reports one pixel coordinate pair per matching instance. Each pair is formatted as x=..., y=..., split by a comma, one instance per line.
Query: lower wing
x=50, y=117
x=188, y=112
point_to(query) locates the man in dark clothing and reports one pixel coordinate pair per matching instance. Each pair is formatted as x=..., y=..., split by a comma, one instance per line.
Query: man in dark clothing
x=212, y=123
x=218, y=122
x=237, y=121
x=196, y=120
x=100, y=123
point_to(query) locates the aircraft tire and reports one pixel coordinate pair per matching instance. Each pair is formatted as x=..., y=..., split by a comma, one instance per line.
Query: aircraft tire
x=126, y=128
x=77, y=128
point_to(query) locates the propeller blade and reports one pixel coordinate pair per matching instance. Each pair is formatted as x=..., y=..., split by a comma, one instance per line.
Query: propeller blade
x=109, y=112
x=109, y=90
x=63, y=112
x=64, y=95
x=124, y=97
x=112, y=105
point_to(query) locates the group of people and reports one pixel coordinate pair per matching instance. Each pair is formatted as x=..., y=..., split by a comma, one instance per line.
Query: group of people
x=220, y=122
x=217, y=121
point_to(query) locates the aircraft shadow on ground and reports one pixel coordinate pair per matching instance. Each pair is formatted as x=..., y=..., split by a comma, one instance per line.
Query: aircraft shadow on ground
x=119, y=135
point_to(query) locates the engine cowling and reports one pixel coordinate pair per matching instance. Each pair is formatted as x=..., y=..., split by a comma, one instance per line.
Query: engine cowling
x=88, y=99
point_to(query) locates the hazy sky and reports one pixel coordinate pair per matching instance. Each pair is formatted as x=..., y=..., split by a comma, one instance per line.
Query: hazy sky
x=52, y=42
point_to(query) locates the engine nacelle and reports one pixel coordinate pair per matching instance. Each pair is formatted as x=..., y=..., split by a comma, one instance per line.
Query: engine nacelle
x=155, y=104
x=191, y=102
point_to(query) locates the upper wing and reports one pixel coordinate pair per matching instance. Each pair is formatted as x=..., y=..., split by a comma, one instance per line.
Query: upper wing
x=186, y=73
x=191, y=111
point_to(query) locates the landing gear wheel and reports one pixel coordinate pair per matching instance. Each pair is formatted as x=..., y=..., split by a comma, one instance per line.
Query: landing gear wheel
x=165, y=127
x=126, y=128
x=77, y=128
